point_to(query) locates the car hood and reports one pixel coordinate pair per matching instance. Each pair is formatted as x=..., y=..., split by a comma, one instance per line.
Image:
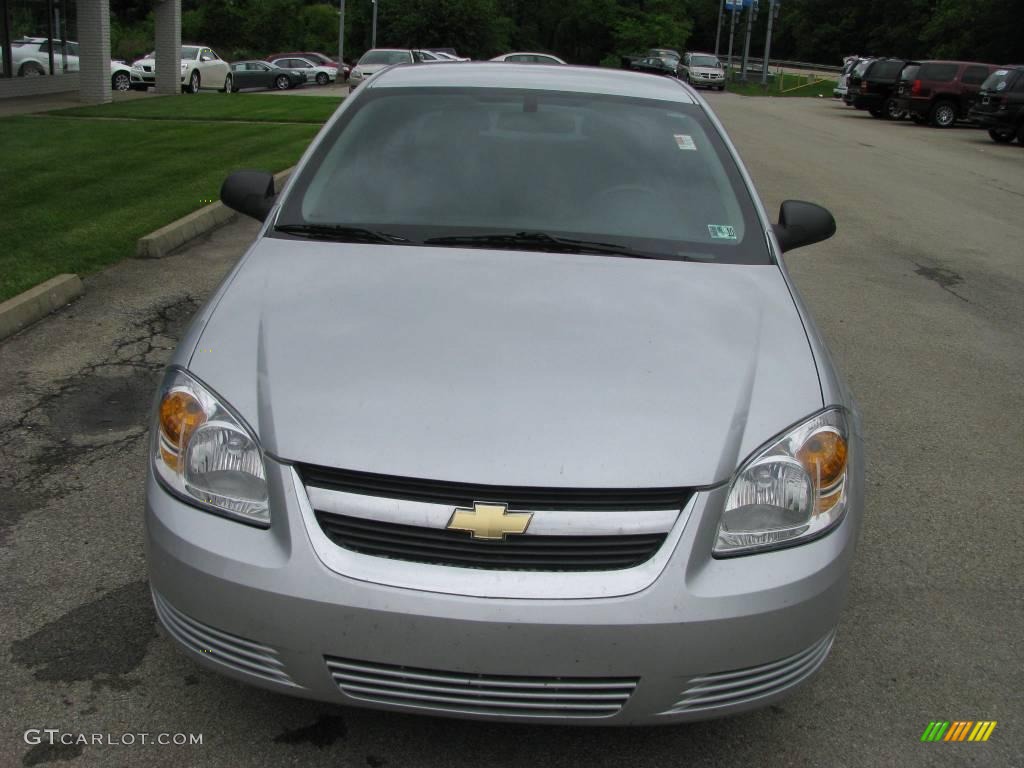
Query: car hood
x=508, y=368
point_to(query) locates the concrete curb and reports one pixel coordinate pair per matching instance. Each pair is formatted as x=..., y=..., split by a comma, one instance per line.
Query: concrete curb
x=158, y=244
x=36, y=303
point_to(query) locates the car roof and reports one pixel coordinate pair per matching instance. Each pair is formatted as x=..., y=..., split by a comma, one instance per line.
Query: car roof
x=563, y=77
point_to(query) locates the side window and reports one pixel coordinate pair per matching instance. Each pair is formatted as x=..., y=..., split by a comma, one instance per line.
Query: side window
x=260, y=67
x=975, y=75
x=213, y=55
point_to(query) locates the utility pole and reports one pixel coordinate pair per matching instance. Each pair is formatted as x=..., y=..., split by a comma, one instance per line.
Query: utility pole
x=718, y=30
x=732, y=29
x=373, y=39
x=751, y=12
x=773, y=13
x=341, y=33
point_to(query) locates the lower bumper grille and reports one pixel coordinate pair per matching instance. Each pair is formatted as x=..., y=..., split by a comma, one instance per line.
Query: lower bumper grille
x=480, y=694
x=457, y=548
x=728, y=689
x=235, y=652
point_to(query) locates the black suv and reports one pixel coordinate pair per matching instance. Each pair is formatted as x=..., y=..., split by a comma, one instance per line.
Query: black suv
x=877, y=85
x=1000, y=105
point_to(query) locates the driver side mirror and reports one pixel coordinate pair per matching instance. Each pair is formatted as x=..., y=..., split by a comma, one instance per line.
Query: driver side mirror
x=249, y=192
x=802, y=224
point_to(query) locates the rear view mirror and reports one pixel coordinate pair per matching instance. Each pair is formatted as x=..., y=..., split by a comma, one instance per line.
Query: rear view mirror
x=249, y=192
x=803, y=224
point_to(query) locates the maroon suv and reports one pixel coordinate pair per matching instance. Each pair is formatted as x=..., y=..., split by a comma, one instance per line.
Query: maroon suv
x=943, y=91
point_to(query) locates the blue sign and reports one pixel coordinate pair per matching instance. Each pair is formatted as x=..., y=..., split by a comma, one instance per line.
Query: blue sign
x=729, y=4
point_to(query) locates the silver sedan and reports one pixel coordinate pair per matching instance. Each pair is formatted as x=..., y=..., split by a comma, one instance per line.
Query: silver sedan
x=511, y=411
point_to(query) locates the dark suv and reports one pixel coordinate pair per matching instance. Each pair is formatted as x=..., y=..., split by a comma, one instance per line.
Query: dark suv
x=1000, y=105
x=943, y=91
x=876, y=87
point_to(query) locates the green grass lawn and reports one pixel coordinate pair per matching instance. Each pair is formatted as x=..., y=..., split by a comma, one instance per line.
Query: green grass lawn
x=216, y=106
x=78, y=194
x=792, y=85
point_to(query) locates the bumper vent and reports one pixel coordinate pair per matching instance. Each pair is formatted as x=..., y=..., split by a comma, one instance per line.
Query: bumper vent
x=517, y=497
x=516, y=553
x=728, y=689
x=237, y=653
x=480, y=694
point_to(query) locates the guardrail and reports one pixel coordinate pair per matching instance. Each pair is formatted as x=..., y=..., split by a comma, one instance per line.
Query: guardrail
x=784, y=63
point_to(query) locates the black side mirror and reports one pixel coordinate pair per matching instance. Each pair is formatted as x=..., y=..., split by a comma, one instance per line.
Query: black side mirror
x=249, y=192
x=802, y=224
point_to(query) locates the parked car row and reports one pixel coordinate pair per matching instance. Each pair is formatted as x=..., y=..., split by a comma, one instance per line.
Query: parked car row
x=937, y=92
x=376, y=59
x=202, y=68
x=701, y=70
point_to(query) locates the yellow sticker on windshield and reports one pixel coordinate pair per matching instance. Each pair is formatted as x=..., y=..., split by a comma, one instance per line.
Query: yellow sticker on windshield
x=684, y=142
x=721, y=232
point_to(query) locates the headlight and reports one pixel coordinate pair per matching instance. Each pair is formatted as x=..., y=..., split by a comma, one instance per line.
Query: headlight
x=791, y=491
x=357, y=72
x=184, y=67
x=205, y=454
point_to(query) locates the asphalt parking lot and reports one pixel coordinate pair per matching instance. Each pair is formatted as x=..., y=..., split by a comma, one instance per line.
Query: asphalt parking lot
x=920, y=297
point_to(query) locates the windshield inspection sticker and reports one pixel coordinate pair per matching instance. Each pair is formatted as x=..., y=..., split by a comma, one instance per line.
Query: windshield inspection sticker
x=684, y=142
x=721, y=232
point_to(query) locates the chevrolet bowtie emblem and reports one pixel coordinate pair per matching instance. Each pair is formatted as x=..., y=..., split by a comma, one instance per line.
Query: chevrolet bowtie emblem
x=489, y=521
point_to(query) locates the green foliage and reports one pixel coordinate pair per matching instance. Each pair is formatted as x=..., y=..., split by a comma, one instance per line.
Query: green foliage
x=582, y=31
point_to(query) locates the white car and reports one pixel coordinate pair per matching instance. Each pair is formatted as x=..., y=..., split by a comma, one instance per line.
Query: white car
x=529, y=58
x=377, y=59
x=444, y=56
x=318, y=73
x=30, y=57
x=201, y=68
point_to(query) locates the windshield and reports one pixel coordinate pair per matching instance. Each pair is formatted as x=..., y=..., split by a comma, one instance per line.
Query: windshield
x=419, y=164
x=1000, y=80
x=386, y=57
x=189, y=51
x=704, y=61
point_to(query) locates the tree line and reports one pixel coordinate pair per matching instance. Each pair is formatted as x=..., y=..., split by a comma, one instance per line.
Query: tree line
x=589, y=31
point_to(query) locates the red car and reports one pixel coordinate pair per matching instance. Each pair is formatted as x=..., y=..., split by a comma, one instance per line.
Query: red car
x=316, y=58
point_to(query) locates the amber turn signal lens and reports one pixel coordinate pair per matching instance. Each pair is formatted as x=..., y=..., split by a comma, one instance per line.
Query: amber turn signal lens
x=823, y=455
x=180, y=415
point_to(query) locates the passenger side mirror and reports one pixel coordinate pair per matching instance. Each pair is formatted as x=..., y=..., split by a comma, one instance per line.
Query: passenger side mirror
x=802, y=224
x=249, y=192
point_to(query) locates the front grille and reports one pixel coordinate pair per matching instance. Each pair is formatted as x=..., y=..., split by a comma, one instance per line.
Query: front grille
x=726, y=689
x=439, y=546
x=237, y=653
x=471, y=693
x=517, y=497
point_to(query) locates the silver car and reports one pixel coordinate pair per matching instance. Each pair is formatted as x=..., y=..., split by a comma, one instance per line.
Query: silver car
x=703, y=70
x=511, y=411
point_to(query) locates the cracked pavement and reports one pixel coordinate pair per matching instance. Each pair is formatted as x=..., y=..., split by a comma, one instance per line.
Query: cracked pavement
x=919, y=297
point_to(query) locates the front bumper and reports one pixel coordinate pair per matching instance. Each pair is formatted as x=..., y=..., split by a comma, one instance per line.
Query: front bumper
x=707, y=81
x=706, y=638
x=997, y=120
x=147, y=78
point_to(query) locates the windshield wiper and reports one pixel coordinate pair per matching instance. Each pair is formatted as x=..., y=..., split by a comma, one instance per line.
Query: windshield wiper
x=542, y=241
x=339, y=233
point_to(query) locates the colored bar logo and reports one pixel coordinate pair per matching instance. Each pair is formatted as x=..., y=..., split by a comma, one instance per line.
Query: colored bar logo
x=958, y=730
